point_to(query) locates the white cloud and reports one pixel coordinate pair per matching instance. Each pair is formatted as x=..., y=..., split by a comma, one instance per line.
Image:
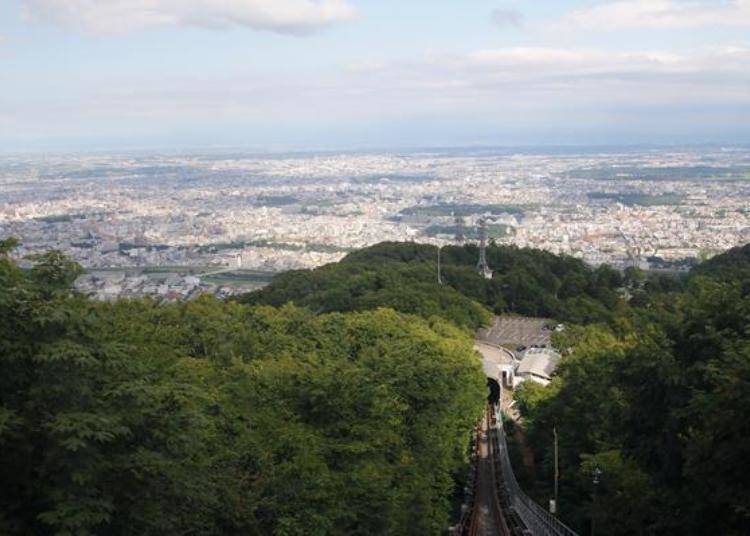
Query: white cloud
x=561, y=76
x=543, y=61
x=661, y=14
x=525, y=86
x=123, y=16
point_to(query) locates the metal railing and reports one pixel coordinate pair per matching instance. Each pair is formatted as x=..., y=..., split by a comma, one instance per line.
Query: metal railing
x=538, y=521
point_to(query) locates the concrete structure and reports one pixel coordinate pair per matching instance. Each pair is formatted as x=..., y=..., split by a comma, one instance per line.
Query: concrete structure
x=499, y=363
x=537, y=364
x=533, y=359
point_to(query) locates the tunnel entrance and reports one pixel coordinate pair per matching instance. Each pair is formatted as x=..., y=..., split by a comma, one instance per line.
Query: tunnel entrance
x=494, y=391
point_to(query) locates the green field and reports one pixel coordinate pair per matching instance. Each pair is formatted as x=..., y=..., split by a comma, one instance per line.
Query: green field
x=463, y=209
x=470, y=233
x=240, y=278
x=644, y=200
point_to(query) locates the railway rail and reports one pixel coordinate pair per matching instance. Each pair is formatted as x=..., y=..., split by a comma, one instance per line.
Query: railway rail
x=497, y=506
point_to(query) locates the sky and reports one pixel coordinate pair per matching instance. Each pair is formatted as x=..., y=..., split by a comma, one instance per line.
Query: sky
x=350, y=74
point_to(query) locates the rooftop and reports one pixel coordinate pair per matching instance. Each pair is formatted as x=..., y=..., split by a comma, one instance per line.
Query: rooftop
x=517, y=331
x=540, y=362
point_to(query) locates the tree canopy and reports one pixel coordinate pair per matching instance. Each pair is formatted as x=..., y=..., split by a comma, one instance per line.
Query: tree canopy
x=205, y=417
x=653, y=387
x=340, y=400
x=404, y=276
x=657, y=400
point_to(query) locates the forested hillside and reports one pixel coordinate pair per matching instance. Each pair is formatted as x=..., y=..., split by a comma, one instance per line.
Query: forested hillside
x=219, y=418
x=658, y=399
x=404, y=277
x=349, y=411
x=655, y=383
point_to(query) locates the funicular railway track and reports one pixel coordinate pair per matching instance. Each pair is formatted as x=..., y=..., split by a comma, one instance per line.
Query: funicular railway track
x=498, y=506
x=487, y=515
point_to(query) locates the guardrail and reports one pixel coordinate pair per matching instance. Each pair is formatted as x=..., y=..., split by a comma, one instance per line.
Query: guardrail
x=538, y=521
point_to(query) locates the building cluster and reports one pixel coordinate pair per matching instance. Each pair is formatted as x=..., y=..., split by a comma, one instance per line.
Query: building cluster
x=518, y=349
x=300, y=211
x=117, y=284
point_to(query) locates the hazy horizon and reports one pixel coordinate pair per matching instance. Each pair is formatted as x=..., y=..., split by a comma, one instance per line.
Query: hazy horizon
x=359, y=74
x=309, y=150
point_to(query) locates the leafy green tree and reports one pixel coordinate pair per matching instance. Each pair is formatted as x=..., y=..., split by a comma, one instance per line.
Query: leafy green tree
x=404, y=277
x=624, y=500
x=210, y=417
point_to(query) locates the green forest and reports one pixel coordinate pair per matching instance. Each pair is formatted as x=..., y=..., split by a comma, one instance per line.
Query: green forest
x=658, y=398
x=341, y=400
x=403, y=276
x=654, y=388
x=220, y=418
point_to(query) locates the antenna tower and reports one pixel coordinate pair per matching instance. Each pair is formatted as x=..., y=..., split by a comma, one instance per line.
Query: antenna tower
x=482, y=267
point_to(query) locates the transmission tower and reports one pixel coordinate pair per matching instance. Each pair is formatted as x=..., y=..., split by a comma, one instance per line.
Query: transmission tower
x=482, y=267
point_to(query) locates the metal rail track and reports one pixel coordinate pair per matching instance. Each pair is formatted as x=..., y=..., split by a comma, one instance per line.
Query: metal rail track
x=472, y=523
x=536, y=520
x=513, y=512
x=497, y=510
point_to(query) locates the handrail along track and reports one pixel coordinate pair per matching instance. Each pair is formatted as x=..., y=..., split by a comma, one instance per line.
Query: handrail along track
x=536, y=519
x=513, y=512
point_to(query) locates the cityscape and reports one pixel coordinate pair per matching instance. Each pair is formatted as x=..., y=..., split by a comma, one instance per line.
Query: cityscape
x=372, y=267
x=177, y=225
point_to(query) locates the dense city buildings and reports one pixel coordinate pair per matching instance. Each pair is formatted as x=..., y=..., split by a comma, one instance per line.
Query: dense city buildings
x=211, y=219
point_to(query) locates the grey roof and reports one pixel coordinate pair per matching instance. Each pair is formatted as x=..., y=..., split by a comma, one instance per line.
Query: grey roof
x=540, y=362
x=517, y=330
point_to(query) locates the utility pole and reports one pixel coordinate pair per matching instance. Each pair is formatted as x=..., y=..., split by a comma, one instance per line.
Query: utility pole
x=440, y=278
x=482, y=267
x=597, y=473
x=556, y=509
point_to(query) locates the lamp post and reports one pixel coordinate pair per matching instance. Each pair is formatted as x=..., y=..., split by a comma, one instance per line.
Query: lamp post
x=597, y=474
x=556, y=508
x=439, y=274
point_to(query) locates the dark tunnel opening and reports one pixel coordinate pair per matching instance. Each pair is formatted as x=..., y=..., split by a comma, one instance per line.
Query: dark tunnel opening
x=494, y=388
